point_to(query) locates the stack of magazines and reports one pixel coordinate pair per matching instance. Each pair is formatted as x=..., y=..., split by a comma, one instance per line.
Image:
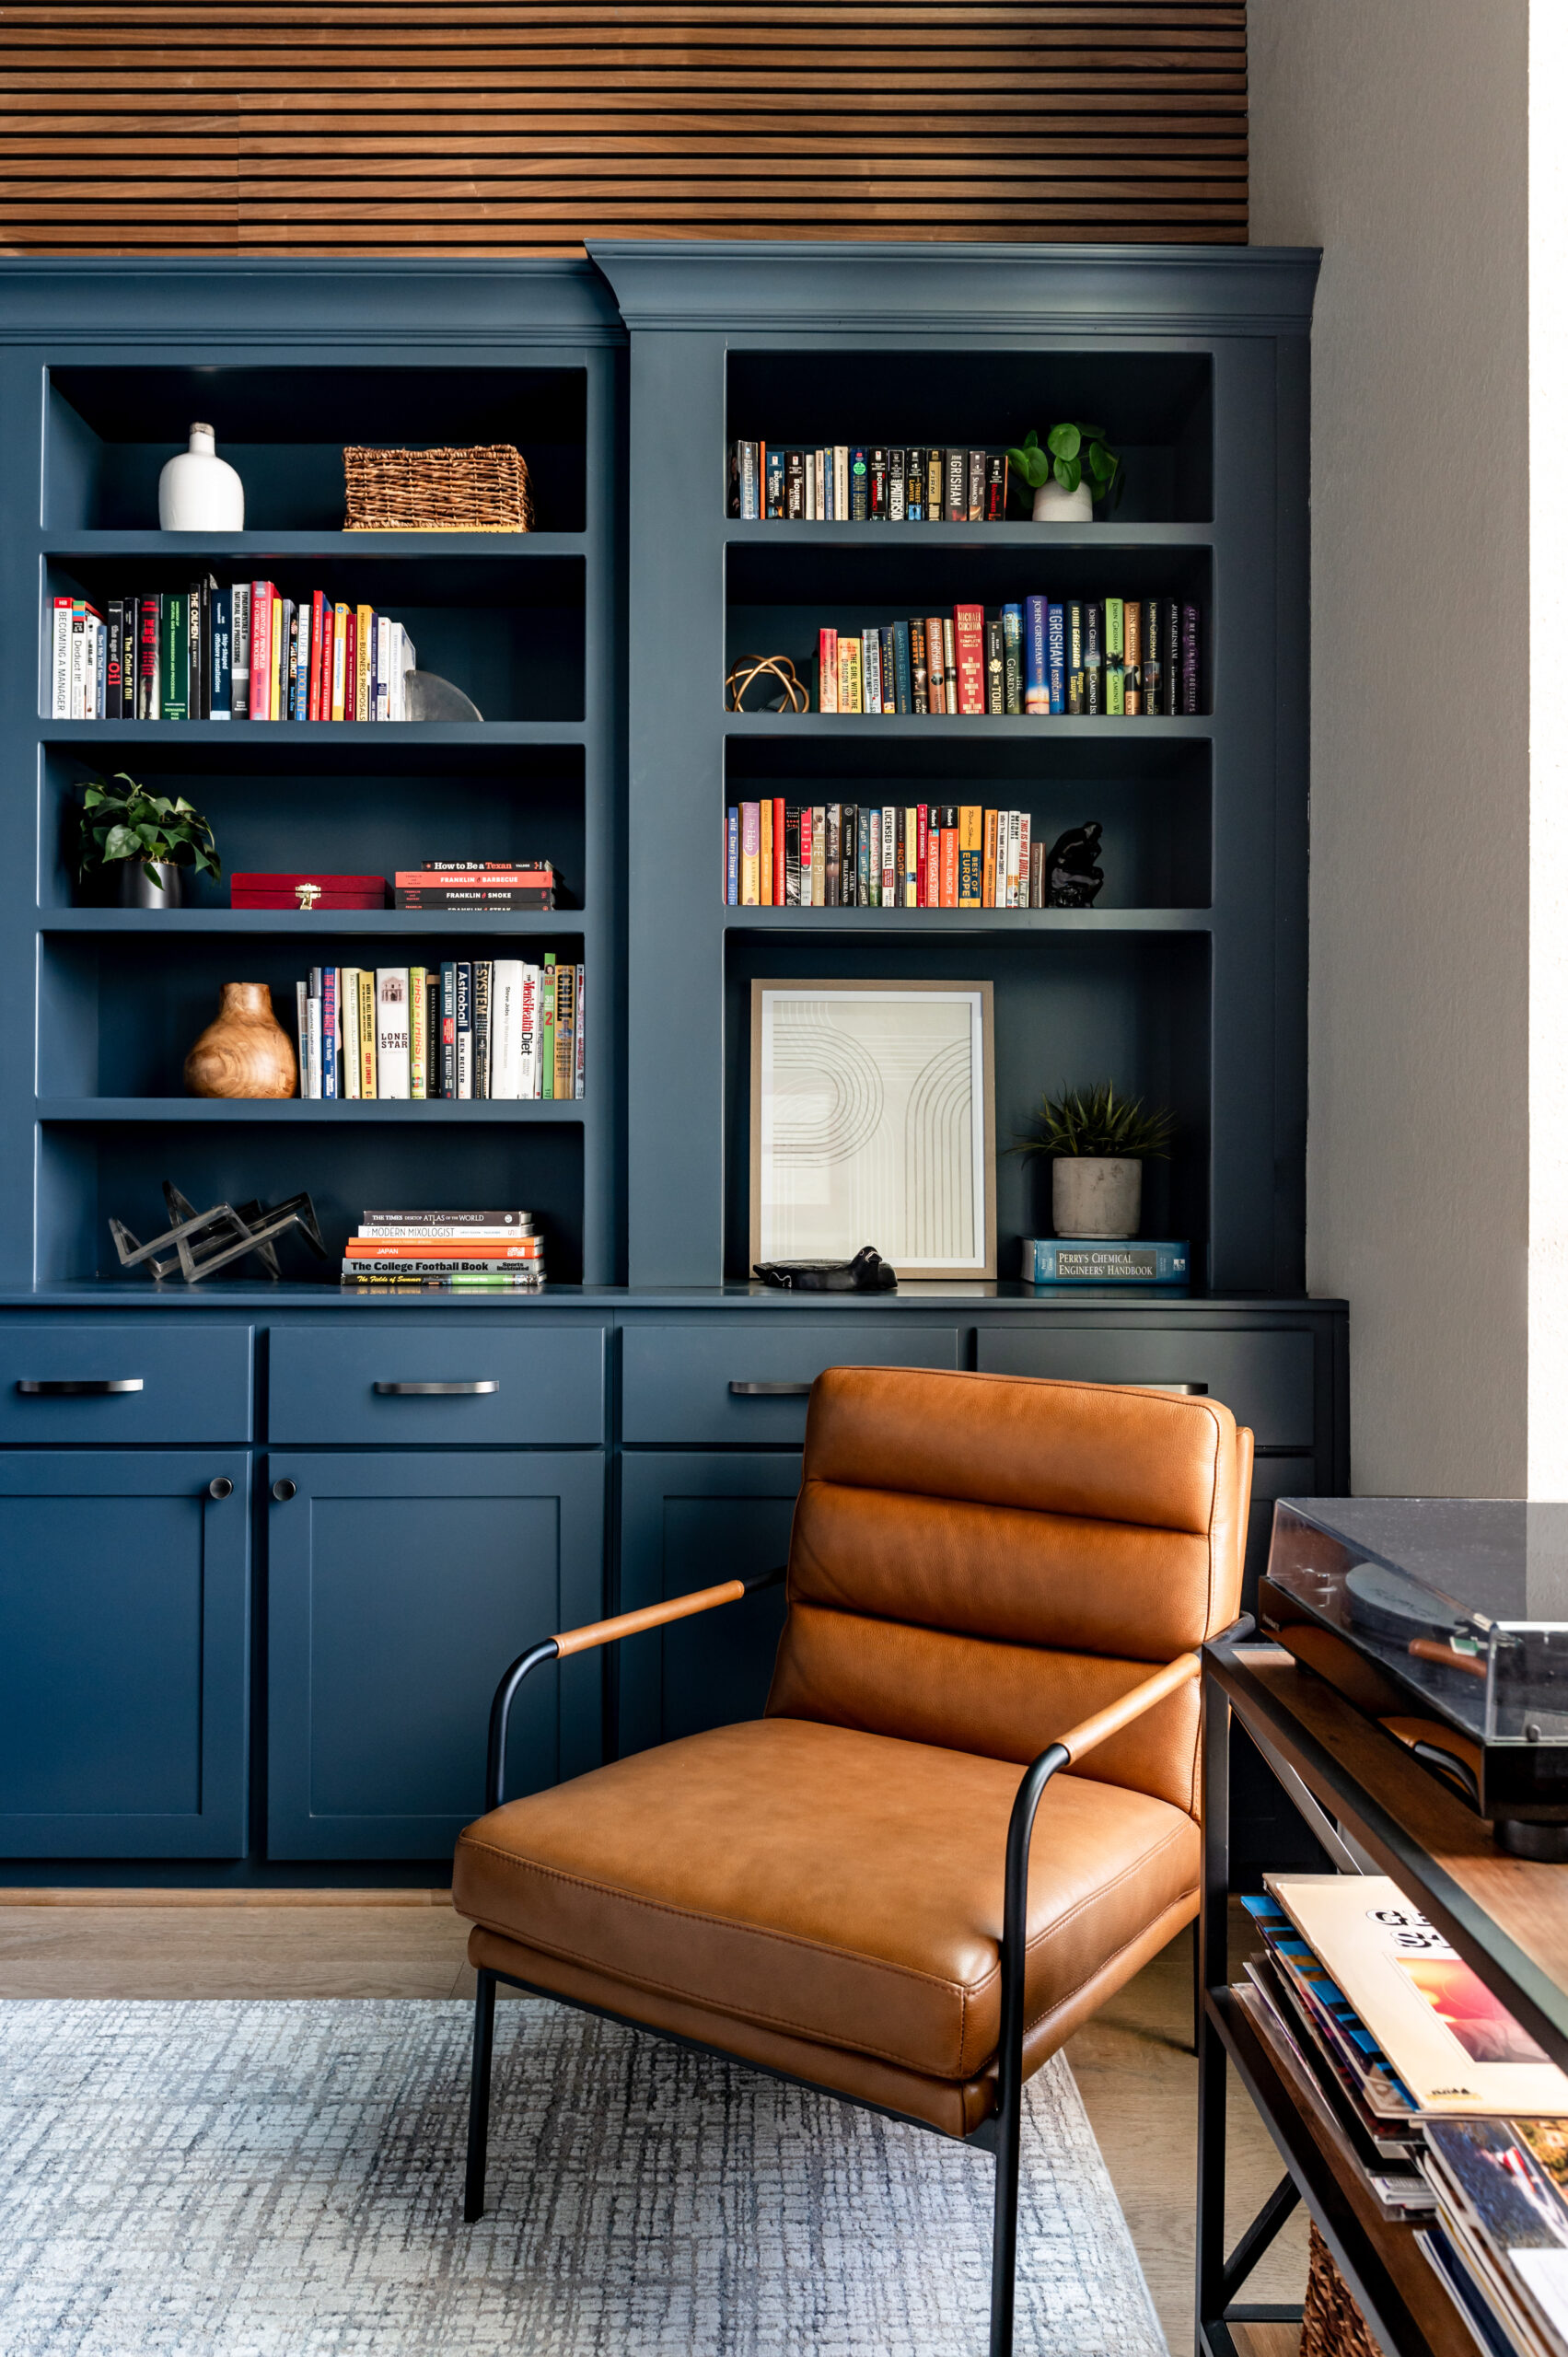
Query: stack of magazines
x=1454, y=2119
x=444, y=1252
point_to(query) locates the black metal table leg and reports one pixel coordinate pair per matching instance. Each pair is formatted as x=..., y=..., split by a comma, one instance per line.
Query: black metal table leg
x=1213, y=1970
x=479, y=2094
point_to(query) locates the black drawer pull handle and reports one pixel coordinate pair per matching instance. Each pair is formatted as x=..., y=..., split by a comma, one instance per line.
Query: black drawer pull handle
x=94, y=1388
x=1157, y=1383
x=284, y=1490
x=770, y=1390
x=432, y=1390
x=221, y=1488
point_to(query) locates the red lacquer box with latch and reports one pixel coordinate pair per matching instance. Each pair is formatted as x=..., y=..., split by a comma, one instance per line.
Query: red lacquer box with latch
x=306, y=891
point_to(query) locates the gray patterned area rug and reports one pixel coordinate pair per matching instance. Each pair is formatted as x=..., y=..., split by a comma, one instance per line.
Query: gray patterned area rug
x=285, y=2180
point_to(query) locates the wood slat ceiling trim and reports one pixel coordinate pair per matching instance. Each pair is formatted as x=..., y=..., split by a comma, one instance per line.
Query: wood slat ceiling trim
x=363, y=128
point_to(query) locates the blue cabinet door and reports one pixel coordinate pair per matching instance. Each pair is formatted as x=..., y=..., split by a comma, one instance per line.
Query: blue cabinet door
x=123, y=1672
x=399, y=1586
x=688, y=1520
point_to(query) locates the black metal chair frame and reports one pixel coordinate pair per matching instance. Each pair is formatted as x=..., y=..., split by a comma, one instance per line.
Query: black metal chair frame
x=999, y=2134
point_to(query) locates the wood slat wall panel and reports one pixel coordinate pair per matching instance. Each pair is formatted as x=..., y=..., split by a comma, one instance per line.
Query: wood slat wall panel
x=524, y=128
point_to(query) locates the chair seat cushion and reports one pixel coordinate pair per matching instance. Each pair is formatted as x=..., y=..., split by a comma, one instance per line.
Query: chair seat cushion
x=825, y=1883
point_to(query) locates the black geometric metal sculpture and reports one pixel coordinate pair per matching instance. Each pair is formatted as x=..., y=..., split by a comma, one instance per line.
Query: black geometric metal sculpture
x=205, y=1241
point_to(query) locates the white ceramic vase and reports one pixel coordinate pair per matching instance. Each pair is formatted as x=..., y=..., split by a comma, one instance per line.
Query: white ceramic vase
x=1054, y=505
x=1093, y=1195
x=199, y=492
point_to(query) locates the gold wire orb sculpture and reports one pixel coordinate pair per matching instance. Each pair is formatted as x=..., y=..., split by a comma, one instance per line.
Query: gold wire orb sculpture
x=777, y=668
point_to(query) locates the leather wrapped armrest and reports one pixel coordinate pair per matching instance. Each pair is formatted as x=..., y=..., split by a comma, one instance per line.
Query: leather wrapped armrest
x=656, y=1616
x=1116, y=1715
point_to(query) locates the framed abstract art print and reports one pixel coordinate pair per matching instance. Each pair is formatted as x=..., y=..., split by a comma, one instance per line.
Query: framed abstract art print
x=873, y=1121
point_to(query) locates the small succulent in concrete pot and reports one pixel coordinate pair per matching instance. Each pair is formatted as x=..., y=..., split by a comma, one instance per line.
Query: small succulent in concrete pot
x=1099, y=1142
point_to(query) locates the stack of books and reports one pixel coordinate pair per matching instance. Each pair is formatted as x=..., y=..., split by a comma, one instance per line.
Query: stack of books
x=476, y=884
x=1446, y=2110
x=470, y=1027
x=444, y=1252
x=240, y=652
x=847, y=482
x=915, y=855
x=1081, y=656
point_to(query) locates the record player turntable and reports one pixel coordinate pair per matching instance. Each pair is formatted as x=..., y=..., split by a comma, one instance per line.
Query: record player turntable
x=1447, y=1620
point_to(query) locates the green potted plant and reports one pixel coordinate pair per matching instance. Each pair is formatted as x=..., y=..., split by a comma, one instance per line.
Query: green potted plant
x=145, y=840
x=1099, y=1142
x=1068, y=472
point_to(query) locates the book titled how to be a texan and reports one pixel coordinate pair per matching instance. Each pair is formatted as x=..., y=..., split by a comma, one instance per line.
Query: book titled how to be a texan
x=1069, y=1260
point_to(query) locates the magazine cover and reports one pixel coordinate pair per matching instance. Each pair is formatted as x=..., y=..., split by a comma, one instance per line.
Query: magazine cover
x=1454, y=2044
x=1505, y=2178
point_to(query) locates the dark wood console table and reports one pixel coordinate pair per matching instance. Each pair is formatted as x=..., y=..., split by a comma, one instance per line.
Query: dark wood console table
x=1507, y=1917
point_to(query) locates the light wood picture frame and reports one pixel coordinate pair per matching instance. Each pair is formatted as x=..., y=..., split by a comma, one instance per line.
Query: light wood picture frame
x=874, y=1122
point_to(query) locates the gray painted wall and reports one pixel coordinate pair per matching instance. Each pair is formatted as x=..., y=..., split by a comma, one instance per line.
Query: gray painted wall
x=1392, y=132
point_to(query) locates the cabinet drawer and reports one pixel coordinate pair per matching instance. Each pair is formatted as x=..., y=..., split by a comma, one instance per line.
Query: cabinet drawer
x=538, y=1385
x=1264, y=1379
x=193, y=1380
x=681, y=1383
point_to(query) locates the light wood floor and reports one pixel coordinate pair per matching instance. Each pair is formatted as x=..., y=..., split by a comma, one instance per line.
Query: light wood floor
x=1131, y=2063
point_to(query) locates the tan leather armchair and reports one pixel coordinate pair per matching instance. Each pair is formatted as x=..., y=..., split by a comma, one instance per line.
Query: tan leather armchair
x=992, y=1585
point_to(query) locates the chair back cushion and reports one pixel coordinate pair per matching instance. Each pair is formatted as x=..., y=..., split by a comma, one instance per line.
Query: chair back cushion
x=978, y=1561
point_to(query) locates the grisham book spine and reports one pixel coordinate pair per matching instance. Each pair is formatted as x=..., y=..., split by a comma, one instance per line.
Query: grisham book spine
x=1154, y=657
x=1114, y=650
x=1094, y=661
x=1131, y=656
x=956, y=487
x=1056, y=657
x=1075, y=680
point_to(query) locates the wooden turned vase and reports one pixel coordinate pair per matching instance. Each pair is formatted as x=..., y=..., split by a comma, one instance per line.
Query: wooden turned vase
x=246, y=1052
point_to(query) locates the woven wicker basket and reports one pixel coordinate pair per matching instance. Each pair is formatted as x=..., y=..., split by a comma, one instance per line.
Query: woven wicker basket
x=1331, y=2324
x=437, y=490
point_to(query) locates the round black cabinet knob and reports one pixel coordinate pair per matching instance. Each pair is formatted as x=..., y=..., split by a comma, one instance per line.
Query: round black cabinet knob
x=283, y=1492
x=220, y=1489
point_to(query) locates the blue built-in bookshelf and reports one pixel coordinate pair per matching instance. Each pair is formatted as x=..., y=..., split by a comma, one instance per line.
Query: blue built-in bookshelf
x=266, y=1546
x=103, y=370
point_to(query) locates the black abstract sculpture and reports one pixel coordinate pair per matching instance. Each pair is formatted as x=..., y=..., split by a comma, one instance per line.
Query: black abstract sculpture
x=204, y=1241
x=1072, y=877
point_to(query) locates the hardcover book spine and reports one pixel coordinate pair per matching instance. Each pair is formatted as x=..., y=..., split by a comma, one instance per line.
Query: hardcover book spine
x=876, y=485
x=340, y=665
x=898, y=499
x=302, y=1038
x=731, y=857
x=867, y=871
x=903, y=678
x=547, y=1026
x=950, y=661
x=195, y=706
x=792, y=856
x=365, y=978
x=915, y=462
x=859, y=487
x=580, y=1065
x=871, y=670
x=833, y=865
x=329, y=1031
x=305, y=624
x=976, y=473
x=969, y=630
x=955, y=494
x=827, y=670
x=364, y=623
x=750, y=853
x=849, y=675
x=1012, y=659
x=1075, y=683
x=222, y=654
x=565, y=1033
x=114, y=656
x=239, y=650
x=1133, y=656
x=765, y=854
x=464, y=1029
x=1056, y=657
x=773, y=467
x=840, y=482
x=935, y=472
x=1012, y=900
x=1114, y=645
x=938, y=684
x=1094, y=661
x=947, y=870
x=970, y=823
x=933, y=857
x=60, y=666
x=890, y=875
x=1024, y=851
x=528, y=1031
x=920, y=674
x=778, y=810
x=819, y=855
x=1189, y=678
x=1171, y=639
x=988, y=868
x=921, y=851
x=448, y=1029
x=1037, y=875
x=889, y=671
x=794, y=486
x=260, y=670
x=175, y=651
x=1154, y=657
x=996, y=487
x=348, y=1019
x=996, y=668
x=393, y=1076
x=481, y=1026
x=750, y=504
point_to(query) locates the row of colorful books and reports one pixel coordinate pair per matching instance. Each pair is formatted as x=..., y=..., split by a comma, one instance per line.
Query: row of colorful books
x=241, y=653
x=444, y=1252
x=470, y=1027
x=1039, y=656
x=848, y=482
x=917, y=855
x=1427, y=2088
